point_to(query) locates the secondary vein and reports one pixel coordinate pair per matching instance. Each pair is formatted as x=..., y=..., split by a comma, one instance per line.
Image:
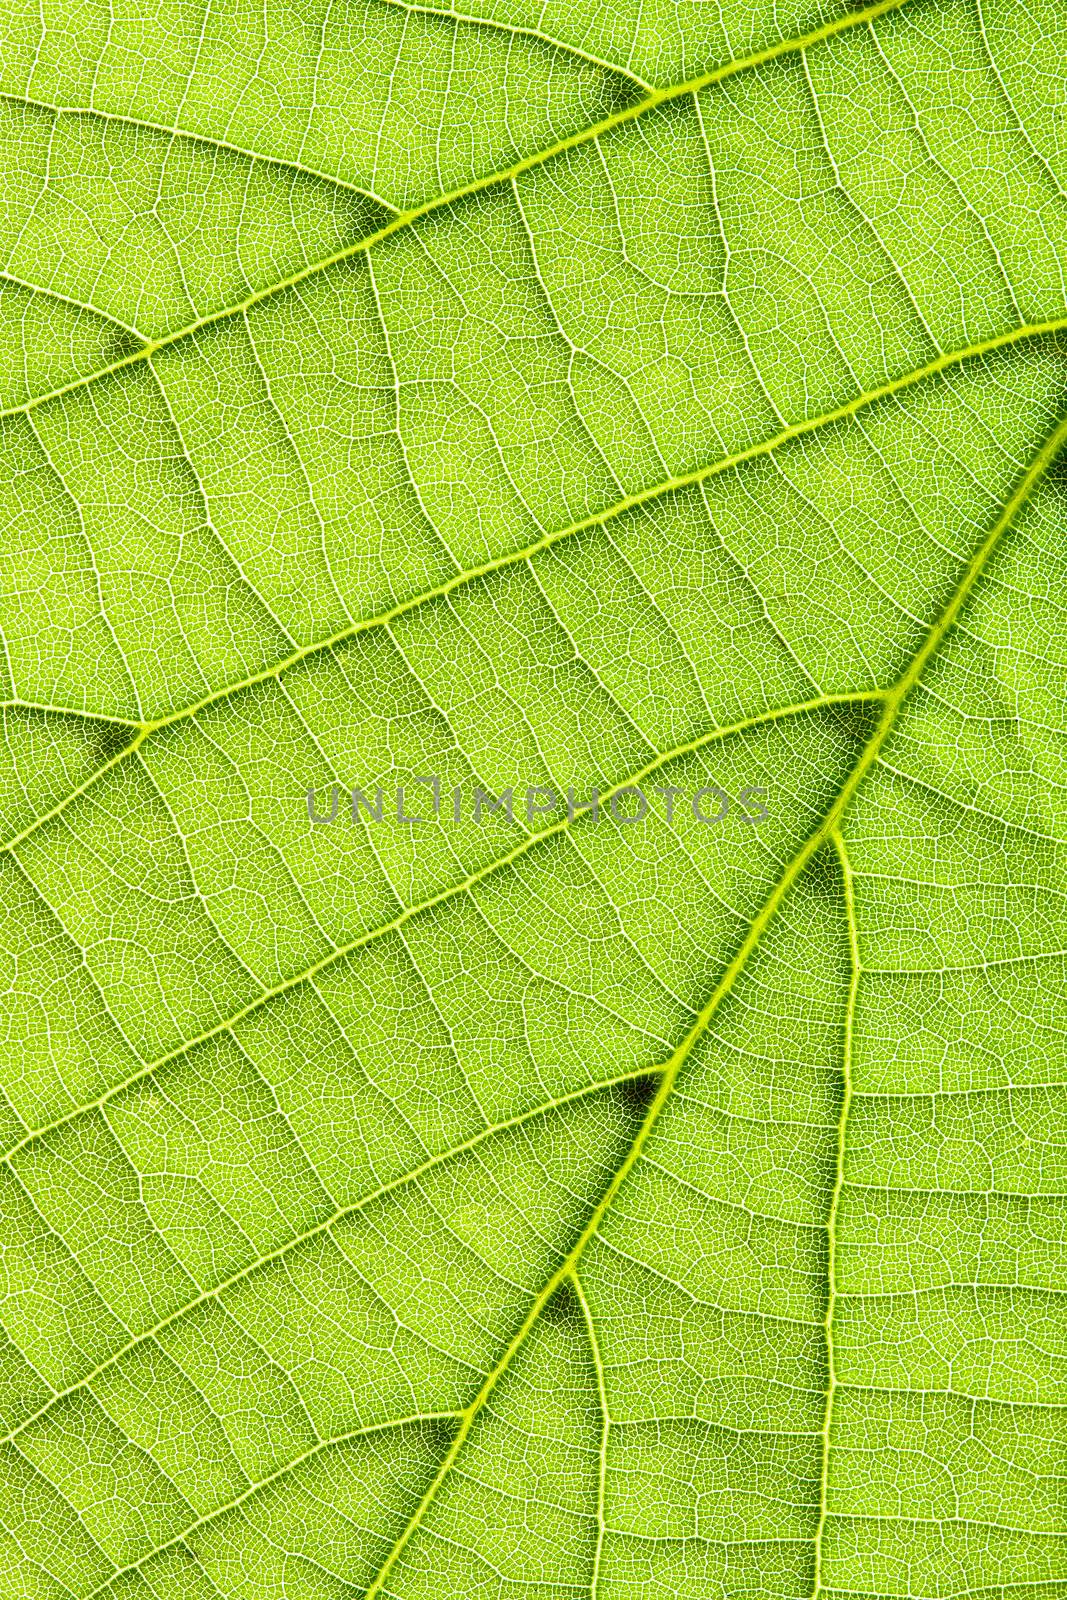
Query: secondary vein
x=338, y=1215
x=139, y=731
x=538, y=158
x=835, y=1205
x=443, y=896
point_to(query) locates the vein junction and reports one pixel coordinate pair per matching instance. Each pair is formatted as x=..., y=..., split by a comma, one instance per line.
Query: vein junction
x=828, y=830
x=404, y=219
x=140, y=731
x=567, y=1276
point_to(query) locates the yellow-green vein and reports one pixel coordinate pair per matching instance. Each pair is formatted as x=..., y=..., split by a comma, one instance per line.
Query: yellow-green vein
x=835, y=1204
x=671, y=1068
x=632, y=502
x=554, y=830
x=605, y=1432
x=339, y=1214
x=404, y=219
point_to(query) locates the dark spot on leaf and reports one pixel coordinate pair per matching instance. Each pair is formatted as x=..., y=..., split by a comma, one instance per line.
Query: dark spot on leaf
x=109, y=741
x=823, y=872
x=122, y=346
x=369, y=216
x=857, y=719
x=183, y=1556
x=620, y=92
x=637, y=1094
x=1057, y=472
x=438, y=1434
x=563, y=1309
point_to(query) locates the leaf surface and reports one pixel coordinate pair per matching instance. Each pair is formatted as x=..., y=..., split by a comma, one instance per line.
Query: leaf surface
x=663, y=397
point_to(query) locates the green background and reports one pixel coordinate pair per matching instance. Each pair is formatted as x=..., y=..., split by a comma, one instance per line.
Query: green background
x=651, y=391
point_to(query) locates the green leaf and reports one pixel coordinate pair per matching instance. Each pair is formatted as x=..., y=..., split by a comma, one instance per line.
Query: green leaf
x=655, y=396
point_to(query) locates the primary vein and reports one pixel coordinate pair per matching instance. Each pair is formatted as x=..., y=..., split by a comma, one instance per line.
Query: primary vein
x=825, y=832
